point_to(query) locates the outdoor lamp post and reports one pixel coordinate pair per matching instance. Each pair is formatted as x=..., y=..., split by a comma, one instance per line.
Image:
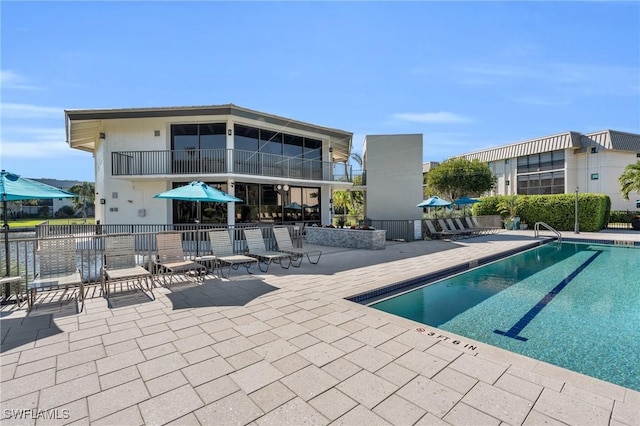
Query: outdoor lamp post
x=282, y=190
x=576, y=229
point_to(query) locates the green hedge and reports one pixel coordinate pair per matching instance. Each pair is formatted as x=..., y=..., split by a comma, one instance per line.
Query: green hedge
x=622, y=216
x=556, y=210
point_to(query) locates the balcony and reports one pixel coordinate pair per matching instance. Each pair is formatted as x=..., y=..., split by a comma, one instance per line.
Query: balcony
x=225, y=161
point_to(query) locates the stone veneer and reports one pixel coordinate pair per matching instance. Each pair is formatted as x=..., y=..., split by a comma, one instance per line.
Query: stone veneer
x=349, y=238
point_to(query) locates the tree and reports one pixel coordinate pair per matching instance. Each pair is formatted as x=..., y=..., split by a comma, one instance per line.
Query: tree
x=630, y=180
x=341, y=201
x=458, y=176
x=86, y=197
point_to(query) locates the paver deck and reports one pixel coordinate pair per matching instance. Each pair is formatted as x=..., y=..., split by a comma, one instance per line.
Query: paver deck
x=287, y=348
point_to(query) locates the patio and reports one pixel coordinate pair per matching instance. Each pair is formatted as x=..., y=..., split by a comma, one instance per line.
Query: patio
x=286, y=348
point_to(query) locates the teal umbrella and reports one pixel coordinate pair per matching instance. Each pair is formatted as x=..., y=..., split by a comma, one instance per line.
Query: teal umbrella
x=13, y=187
x=464, y=201
x=293, y=206
x=434, y=201
x=198, y=191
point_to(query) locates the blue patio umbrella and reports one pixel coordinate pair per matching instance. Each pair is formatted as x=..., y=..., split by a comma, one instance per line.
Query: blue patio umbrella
x=465, y=201
x=198, y=191
x=434, y=201
x=13, y=187
x=293, y=206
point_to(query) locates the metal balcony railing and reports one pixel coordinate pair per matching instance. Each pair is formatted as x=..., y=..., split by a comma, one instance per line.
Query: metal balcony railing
x=225, y=161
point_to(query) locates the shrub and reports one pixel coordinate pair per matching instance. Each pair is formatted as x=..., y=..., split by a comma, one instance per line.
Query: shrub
x=556, y=210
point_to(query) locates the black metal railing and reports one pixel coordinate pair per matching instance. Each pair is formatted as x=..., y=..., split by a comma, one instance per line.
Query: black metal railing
x=225, y=161
x=23, y=260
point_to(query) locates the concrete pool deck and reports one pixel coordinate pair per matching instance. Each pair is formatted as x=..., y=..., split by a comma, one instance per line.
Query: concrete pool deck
x=286, y=348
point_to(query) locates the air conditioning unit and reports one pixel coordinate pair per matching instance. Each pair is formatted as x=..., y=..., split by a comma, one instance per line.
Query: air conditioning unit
x=142, y=212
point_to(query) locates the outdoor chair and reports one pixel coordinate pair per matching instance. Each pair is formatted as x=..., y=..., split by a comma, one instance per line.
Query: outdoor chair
x=170, y=258
x=120, y=264
x=473, y=230
x=466, y=232
x=478, y=229
x=258, y=249
x=438, y=234
x=222, y=250
x=58, y=268
x=283, y=239
x=454, y=231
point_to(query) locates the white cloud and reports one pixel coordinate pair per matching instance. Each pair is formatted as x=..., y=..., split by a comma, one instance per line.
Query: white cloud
x=26, y=111
x=432, y=117
x=36, y=149
x=538, y=100
x=33, y=143
x=12, y=80
x=582, y=79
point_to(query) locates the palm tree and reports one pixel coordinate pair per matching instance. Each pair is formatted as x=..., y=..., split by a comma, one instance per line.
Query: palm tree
x=630, y=180
x=86, y=197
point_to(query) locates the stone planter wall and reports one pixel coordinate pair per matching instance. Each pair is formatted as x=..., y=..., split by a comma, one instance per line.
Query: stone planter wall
x=349, y=238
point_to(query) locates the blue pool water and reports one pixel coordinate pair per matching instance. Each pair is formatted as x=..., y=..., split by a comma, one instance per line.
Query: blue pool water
x=574, y=305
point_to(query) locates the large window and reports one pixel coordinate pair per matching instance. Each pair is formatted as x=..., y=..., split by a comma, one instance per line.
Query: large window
x=199, y=148
x=541, y=183
x=265, y=203
x=544, y=161
x=541, y=173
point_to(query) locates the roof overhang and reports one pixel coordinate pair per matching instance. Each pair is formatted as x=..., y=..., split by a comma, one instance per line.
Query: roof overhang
x=534, y=146
x=83, y=126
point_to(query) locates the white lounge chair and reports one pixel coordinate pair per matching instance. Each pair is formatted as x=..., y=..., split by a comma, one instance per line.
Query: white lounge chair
x=58, y=268
x=222, y=251
x=120, y=264
x=283, y=239
x=258, y=249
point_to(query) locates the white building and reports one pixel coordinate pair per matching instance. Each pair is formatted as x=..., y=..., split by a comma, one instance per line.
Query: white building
x=393, y=165
x=559, y=164
x=266, y=160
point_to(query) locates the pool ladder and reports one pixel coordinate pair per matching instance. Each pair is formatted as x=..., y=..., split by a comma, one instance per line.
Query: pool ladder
x=536, y=230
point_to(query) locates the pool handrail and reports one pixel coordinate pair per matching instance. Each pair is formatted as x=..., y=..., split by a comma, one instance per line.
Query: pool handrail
x=536, y=230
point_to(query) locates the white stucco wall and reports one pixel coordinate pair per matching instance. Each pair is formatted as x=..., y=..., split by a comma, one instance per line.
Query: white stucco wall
x=609, y=165
x=394, y=176
x=579, y=166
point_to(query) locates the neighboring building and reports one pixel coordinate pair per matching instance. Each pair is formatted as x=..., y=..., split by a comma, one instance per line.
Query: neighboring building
x=559, y=164
x=426, y=167
x=393, y=164
x=266, y=160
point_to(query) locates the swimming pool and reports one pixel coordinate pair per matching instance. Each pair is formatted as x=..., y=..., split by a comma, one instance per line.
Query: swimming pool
x=574, y=305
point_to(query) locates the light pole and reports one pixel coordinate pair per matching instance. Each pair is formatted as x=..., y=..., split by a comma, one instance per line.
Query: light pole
x=576, y=229
x=282, y=190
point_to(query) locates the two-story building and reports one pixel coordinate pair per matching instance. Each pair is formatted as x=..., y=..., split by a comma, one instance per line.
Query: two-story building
x=564, y=163
x=284, y=170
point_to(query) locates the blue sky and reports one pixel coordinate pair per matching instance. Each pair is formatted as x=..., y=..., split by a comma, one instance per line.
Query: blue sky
x=467, y=75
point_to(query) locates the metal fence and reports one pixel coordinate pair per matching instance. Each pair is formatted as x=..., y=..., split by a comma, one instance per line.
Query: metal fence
x=22, y=258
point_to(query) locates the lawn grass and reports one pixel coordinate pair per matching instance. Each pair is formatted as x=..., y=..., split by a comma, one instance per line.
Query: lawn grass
x=32, y=222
